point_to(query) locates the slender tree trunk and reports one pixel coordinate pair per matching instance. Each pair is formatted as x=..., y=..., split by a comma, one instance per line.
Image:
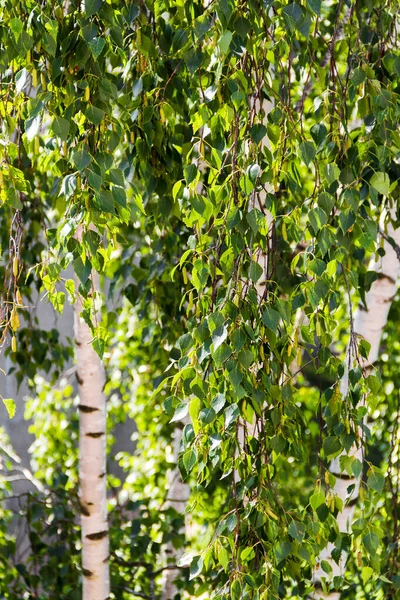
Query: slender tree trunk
x=92, y=464
x=369, y=324
x=178, y=497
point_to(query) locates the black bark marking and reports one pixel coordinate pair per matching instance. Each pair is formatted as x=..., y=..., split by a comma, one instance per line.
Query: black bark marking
x=78, y=378
x=84, y=511
x=87, y=573
x=86, y=409
x=385, y=276
x=318, y=585
x=343, y=476
x=352, y=502
x=102, y=475
x=95, y=434
x=97, y=536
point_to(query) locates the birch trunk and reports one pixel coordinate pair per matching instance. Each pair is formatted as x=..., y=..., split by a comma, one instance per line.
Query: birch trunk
x=178, y=497
x=92, y=464
x=369, y=323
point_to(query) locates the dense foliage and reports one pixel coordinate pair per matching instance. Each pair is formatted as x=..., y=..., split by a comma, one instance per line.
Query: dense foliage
x=233, y=165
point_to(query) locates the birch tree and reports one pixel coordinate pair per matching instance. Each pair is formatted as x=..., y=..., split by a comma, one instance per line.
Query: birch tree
x=92, y=458
x=129, y=100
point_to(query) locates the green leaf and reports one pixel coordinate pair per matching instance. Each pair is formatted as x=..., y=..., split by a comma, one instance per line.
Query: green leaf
x=235, y=376
x=81, y=159
x=96, y=46
x=25, y=43
x=380, y=182
x=358, y=76
x=196, y=567
x=185, y=559
x=225, y=9
x=99, y=347
x=58, y=300
x=60, y=127
x=282, y=550
x=326, y=239
x=83, y=270
x=13, y=198
x=315, y=6
x=239, y=100
x=105, y=201
x=297, y=530
x=317, y=499
x=331, y=446
x=225, y=41
x=346, y=220
x=231, y=414
x=119, y=195
x=207, y=415
x=258, y=132
x=189, y=459
x=218, y=402
x=242, y=27
x=238, y=339
x=318, y=218
x=271, y=318
x=104, y=160
x=319, y=133
x=231, y=523
x=326, y=202
x=21, y=80
x=219, y=335
x=331, y=173
x=293, y=14
x=246, y=358
x=317, y=266
x=92, y=6
x=366, y=574
x=193, y=59
x=221, y=354
x=137, y=87
x=376, y=481
x=371, y=542
x=253, y=172
x=16, y=27
x=307, y=152
x=32, y=127
x=94, y=180
x=356, y=467
x=94, y=115
x=68, y=186
x=180, y=413
x=256, y=220
x=326, y=567
x=256, y=271
x=10, y=406
x=227, y=262
x=373, y=382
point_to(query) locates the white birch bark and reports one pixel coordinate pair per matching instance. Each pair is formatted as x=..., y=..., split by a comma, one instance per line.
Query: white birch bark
x=178, y=497
x=92, y=464
x=369, y=324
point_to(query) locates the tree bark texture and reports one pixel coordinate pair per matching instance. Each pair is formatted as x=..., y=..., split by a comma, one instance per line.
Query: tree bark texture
x=92, y=464
x=178, y=497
